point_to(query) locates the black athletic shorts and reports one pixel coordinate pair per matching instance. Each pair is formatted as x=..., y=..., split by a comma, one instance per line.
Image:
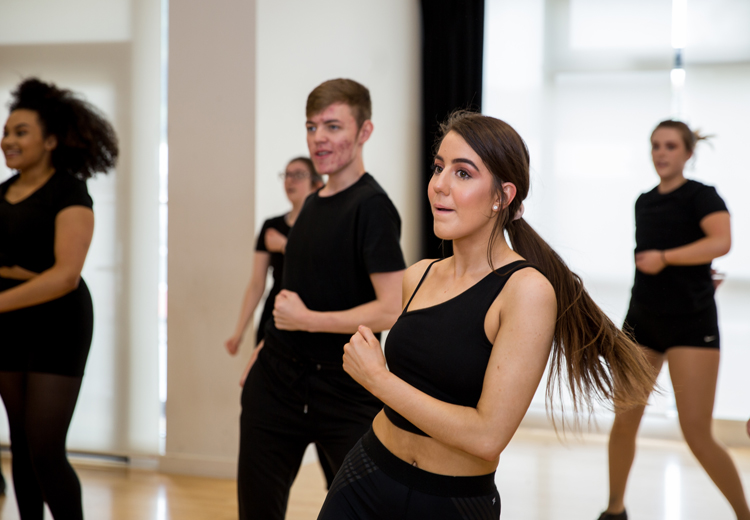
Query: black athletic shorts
x=660, y=332
x=374, y=484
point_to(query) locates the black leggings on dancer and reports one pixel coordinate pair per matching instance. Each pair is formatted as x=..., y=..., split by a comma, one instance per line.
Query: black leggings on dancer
x=40, y=407
x=374, y=484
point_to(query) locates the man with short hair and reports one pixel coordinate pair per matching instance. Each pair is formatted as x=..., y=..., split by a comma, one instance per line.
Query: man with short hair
x=343, y=268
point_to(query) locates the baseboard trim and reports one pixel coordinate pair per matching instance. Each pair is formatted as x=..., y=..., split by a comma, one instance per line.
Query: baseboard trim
x=732, y=434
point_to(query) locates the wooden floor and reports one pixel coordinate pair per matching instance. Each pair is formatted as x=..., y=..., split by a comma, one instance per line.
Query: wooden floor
x=113, y=492
x=539, y=478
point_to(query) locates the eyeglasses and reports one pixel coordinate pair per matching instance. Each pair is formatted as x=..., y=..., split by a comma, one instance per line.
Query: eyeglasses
x=297, y=175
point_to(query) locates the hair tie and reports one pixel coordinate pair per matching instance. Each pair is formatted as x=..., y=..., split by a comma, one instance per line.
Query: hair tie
x=519, y=213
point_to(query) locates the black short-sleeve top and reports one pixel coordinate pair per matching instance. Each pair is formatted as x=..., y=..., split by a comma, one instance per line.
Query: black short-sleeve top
x=336, y=243
x=27, y=227
x=277, y=259
x=669, y=220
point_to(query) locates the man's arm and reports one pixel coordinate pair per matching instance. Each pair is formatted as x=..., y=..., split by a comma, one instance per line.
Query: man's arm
x=290, y=312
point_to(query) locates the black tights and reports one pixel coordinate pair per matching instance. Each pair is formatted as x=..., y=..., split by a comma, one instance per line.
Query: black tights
x=40, y=407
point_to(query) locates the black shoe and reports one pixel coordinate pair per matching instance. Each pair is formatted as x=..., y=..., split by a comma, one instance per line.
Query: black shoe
x=614, y=516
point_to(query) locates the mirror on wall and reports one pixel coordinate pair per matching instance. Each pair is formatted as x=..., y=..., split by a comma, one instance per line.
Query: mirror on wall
x=585, y=82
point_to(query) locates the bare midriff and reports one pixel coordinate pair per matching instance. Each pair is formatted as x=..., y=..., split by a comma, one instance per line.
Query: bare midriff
x=427, y=453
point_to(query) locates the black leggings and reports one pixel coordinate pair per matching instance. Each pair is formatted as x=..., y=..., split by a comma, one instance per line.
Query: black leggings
x=374, y=484
x=40, y=407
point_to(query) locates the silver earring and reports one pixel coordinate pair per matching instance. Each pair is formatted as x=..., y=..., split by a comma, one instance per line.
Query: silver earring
x=494, y=207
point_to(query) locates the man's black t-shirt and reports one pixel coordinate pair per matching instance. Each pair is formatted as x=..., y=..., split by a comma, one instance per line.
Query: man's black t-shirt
x=666, y=221
x=335, y=245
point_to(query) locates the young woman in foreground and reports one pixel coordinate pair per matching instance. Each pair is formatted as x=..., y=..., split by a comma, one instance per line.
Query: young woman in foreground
x=54, y=141
x=472, y=343
x=681, y=226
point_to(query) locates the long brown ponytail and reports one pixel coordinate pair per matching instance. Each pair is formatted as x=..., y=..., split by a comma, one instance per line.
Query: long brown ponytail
x=597, y=360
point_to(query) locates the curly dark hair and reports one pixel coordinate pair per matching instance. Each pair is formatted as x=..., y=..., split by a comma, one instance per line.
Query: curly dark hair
x=86, y=141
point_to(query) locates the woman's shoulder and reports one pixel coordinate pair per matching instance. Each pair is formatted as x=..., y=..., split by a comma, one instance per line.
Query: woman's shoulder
x=68, y=190
x=529, y=287
x=648, y=195
x=704, y=190
x=420, y=267
x=697, y=185
x=414, y=273
x=693, y=187
x=67, y=179
x=274, y=222
x=62, y=183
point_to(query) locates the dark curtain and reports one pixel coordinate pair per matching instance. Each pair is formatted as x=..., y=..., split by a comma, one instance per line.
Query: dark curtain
x=452, y=45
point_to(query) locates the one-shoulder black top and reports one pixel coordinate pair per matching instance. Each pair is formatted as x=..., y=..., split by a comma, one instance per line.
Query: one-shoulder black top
x=443, y=350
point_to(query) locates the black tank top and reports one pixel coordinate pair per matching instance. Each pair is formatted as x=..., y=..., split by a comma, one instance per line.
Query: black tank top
x=443, y=350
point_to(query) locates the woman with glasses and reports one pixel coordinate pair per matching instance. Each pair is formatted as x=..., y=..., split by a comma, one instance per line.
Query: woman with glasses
x=300, y=180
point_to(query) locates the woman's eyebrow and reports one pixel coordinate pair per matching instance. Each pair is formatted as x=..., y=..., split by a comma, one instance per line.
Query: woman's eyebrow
x=466, y=161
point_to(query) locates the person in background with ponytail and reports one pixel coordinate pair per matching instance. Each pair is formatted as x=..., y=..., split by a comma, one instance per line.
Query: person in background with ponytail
x=471, y=345
x=681, y=226
x=54, y=141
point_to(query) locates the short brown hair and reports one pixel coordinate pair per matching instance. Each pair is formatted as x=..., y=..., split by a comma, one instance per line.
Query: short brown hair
x=345, y=91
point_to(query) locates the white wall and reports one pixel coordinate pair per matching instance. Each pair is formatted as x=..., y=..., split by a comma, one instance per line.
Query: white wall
x=303, y=43
x=211, y=153
x=235, y=117
x=141, y=366
x=584, y=82
x=69, y=21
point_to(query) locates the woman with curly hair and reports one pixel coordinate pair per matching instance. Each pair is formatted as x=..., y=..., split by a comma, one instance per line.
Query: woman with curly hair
x=54, y=141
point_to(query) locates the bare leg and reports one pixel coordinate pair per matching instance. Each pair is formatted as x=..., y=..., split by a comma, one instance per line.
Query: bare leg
x=694, y=372
x=622, y=445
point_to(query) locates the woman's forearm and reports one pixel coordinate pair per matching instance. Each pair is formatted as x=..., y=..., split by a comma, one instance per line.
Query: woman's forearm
x=700, y=252
x=47, y=286
x=254, y=292
x=253, y=295
x=465, y=428
x=17, y=273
